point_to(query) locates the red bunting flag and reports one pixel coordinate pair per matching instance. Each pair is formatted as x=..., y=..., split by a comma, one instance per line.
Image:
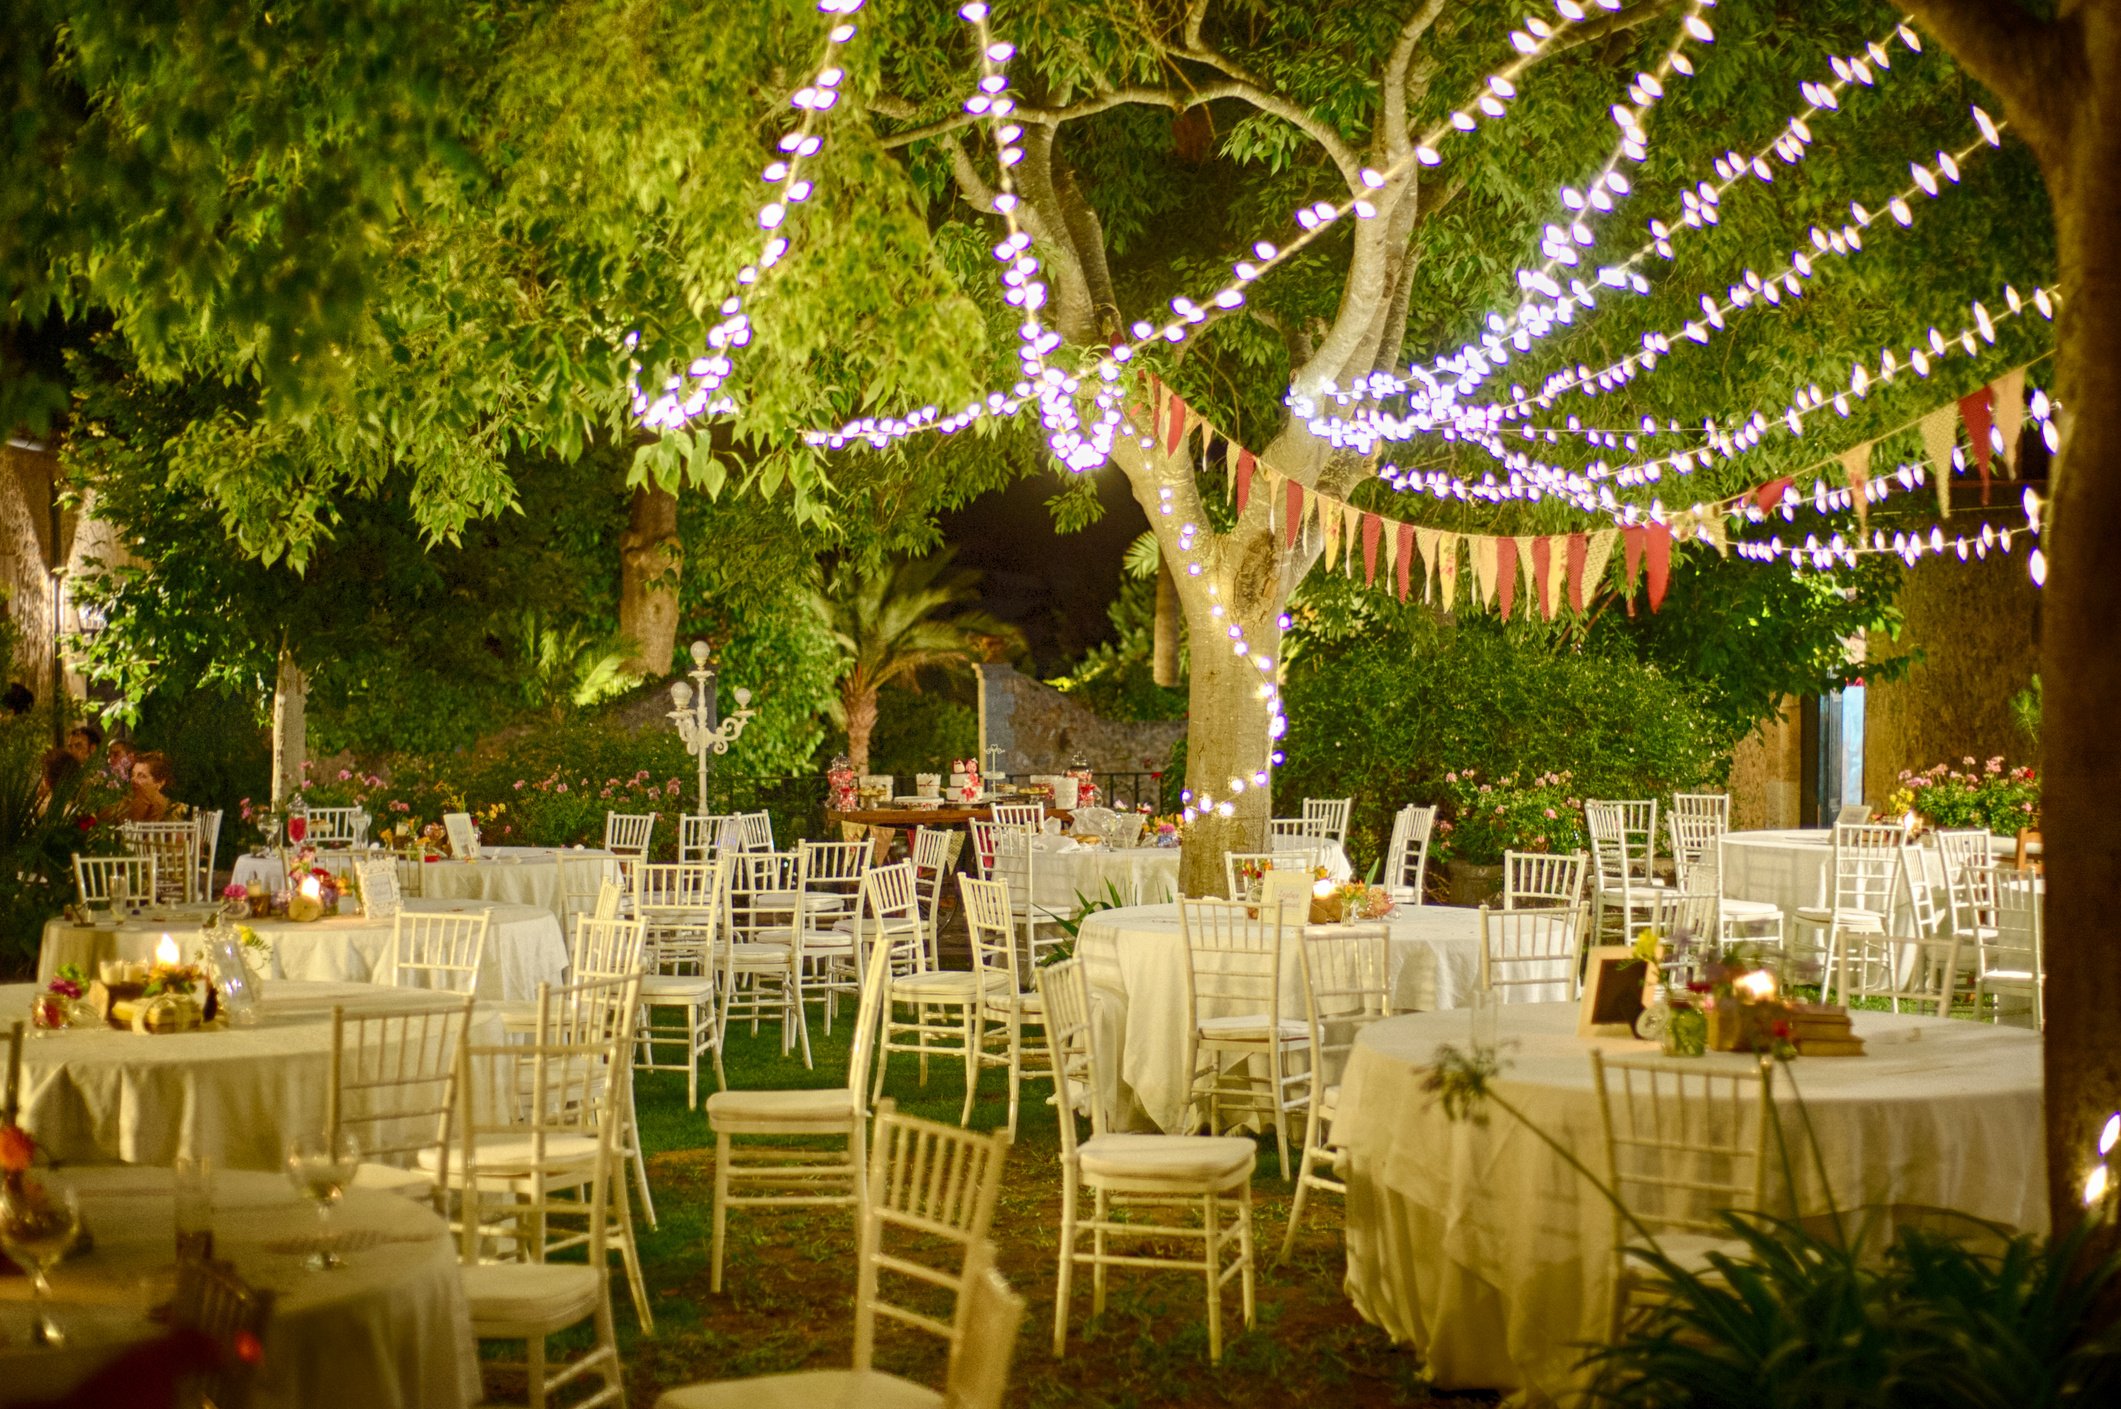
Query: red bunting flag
x=1177, y=432
x=1767, y=497
x=1505, y=574
x=1579, y=553
x=1296, y=512
x=1977, y=409
x=1245, y=465
x=1542, y=559
x=1657, y=539
x=1406, y=558
x=1372, y=527
x=1631, y=560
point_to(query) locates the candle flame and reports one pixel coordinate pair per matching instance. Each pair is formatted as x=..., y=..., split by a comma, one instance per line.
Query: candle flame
x=1323, y=889
x=166, y=951
x=312, y=888
x=1758, y=985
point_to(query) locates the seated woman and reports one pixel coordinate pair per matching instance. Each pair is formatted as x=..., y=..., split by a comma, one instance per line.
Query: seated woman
x=149, y=800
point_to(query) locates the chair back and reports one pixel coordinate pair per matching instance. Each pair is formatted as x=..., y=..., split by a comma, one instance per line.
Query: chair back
x=868, y=1016
x=394, y=1080
x=607, y=947
x=1064, y=997
x=1866, y=867
x=991, y=932
x=762, y=890
x=1923, y=916
x=1406, y=857
x=106, y=880
x=991, y=1314
x=1684, y=1140
x=1301, y=830
x=1327, y=817
x=1960, y=850
x=2015, y=949
x=679, y=905
x=1030, y=815
x=982, y=832
x=342, y=827
x=1714, y=806
x=445, y=952
x=1233, y=958
x=924, y=1224
x=934, y=852
x=1696, y=843
x=1347, y=986
x=829, y=880
x=212, y=1300
x=175, y=847
x=702, y=836
x=1542, y=880
x=629, y=833
x=757, y=830
x=377, y=881
x=1245, y=872
x=889, y=913
x=1632, y=823
x=208, y=825
x=1014, y=862
x=463, y=834
x=1529, y=948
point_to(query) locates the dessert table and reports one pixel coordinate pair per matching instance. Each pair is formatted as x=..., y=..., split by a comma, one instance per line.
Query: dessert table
x=523, y=947
x=235, y=1095
x=1480, y=1247
x=389, y=1328
x=502, y=875
x=1135, y=961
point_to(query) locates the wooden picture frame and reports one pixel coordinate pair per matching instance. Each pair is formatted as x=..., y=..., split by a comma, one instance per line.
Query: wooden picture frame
x=1615, y=991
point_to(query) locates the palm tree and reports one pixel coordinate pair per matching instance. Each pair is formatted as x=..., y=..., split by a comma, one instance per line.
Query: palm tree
x=894, y=621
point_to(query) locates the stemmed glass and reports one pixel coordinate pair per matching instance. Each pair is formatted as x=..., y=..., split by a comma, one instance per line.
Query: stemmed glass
x=37, y=1227
x=321, y=1166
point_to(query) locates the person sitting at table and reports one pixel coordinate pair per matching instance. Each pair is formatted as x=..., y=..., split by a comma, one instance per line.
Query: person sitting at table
x=149, y=799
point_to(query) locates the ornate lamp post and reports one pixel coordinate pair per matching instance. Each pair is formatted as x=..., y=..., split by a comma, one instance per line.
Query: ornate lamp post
x=705, y=734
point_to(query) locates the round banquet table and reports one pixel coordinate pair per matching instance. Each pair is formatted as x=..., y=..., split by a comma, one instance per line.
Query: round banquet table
x=95, y=1095
x=503, y=875
x=1793, y=869
x=523, y=945
x=390, y=1328
x=1135, y=961
x=1068, y=874
x=1480, y=1247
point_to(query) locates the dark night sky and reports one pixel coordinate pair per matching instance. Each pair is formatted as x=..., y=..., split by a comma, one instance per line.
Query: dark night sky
x=1054, y=586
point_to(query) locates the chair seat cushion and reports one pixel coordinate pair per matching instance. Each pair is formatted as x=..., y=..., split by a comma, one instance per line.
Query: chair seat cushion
x=501, y=1152
x=943, y=985
x=805, y=1389
x=1175, y=1163
x=1690, y=1251
x=676, y=986
x=1748, y=909
x=412, y=1183
x=2006, y=976
x=1239, y=1027
x=506, y=1294
x=771, y=953
x=517, y=1014
x=1850, y=919
x=763, y=1112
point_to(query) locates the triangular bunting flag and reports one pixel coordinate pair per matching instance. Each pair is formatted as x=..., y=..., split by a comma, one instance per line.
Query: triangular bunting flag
x=2007, y=402
x=1403, y=540
x=1329, y=521
x=1372, y=526
x=1487, y=564
x=1937, y=436
x=1770, y=494
x=1557, y=574
x=1245, y=464
x=1295, y=515
x=1524, y=543
x=1447, y=569
x=1596, y=557
x=1579, y=553
x=1505, y=550
x=1542, y=557
x=1631, y=561
x=1657, y=545
x=1856, y=464
x=1426, y=541
x=1177, y=430
x=1974, y=409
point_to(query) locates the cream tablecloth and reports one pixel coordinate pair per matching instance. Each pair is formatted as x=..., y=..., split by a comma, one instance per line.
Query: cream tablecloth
x=238, y=1095
x=1481, y=1248
x=523, y=946
x=1068, y=874
x=1135, y=959
x=504, y=875
x=388, y=1331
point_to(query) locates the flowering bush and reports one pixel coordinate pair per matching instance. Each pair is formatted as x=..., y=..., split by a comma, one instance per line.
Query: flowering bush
x=1486, y=818
x=1988, y=795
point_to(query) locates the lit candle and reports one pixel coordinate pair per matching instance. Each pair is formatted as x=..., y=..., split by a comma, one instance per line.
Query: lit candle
x=1323, y=889
x=166, y=952
x=1758, y=985
x=312, y=888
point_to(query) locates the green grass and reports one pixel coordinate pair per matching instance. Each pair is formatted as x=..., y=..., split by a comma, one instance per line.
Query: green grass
x=788, y=1302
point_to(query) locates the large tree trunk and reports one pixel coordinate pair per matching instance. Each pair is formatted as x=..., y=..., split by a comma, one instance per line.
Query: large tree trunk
x=861, y=725
x=1163, y=660
x=650, y=557
x=290, y=730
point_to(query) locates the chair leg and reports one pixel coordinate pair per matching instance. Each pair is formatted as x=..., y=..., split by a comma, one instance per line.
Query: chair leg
x=1016, y=1069
x=1067, y=1266
x=1097, y=1246
x=721, y=1208
x=972, y=1048
x=1296, y=1208
x=1244, y=1250
x=534, y=1366
x=1215, y=1297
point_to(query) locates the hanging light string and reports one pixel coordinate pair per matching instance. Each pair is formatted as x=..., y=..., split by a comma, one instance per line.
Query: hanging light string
x=699, y=390
x=1840, y=551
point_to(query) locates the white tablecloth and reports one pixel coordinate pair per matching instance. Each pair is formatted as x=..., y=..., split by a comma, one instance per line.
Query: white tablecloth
x=1485, y=1251
x=389, y=1329
x=523, y=945
x=237, y=1095
x=1067, y=874
x=504, y=875
x=1135, y=960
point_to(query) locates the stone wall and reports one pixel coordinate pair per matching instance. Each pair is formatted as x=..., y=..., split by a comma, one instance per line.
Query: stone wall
x=26, y=479
x=1767, y=772
x=1040, y=730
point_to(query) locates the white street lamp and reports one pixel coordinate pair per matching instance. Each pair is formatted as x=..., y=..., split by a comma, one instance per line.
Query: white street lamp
x=705, y=736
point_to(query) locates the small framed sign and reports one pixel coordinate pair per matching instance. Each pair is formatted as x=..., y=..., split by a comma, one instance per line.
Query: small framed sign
x=1614, y=990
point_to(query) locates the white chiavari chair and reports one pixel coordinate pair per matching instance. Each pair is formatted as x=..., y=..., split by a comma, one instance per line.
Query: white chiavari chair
x=944, y=1004
x=629, y=833
x=2011, y=958
x=1007, y=1004
x=462, y=834
x=1697, y=863
x=1327, y=818
x=779, y=1174
x=1406, y=869
x=1621, y=856
x=1684, y=1142
x=208, y=826
x=1243, y=1054
x=828, y=890
x=114, y=880
x=1716, y=807
x=704, y=836
x=394, y=1088
x=538, y=1158
x=1016, y=864
x=442, y=952
x=338, y=828
x=175, y=847
x=934, y=855
x=762, y=973
x=757, y=830
x=1155, y=1178
x=1347, y=973
x=929, y=1205
x=1029, y=815
x=1300, y=830
x=982, y=832
x=680, y=907
x=586, y=881
x=212, y=1300
x=1960, y=852
x=1237, y=885
x=1542, y=880
x=1863, y=877
x=1531, y=949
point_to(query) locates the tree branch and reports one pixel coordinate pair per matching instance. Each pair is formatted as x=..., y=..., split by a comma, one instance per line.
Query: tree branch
x=1397, y=70
x=2034, y=66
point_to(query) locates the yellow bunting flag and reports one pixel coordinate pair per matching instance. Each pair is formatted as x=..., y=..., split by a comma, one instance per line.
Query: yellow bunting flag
x=2009, y=410
x=1447, y=569
x=1595, y=558
x=1483, y=570
x=1939, y=429
x=1856, y=464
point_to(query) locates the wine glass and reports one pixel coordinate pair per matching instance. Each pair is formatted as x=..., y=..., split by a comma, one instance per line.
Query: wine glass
x=37, y=1228
x=321, y=1166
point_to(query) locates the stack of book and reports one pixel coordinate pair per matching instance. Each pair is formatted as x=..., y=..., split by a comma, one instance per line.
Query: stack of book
x=1822, y=1030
